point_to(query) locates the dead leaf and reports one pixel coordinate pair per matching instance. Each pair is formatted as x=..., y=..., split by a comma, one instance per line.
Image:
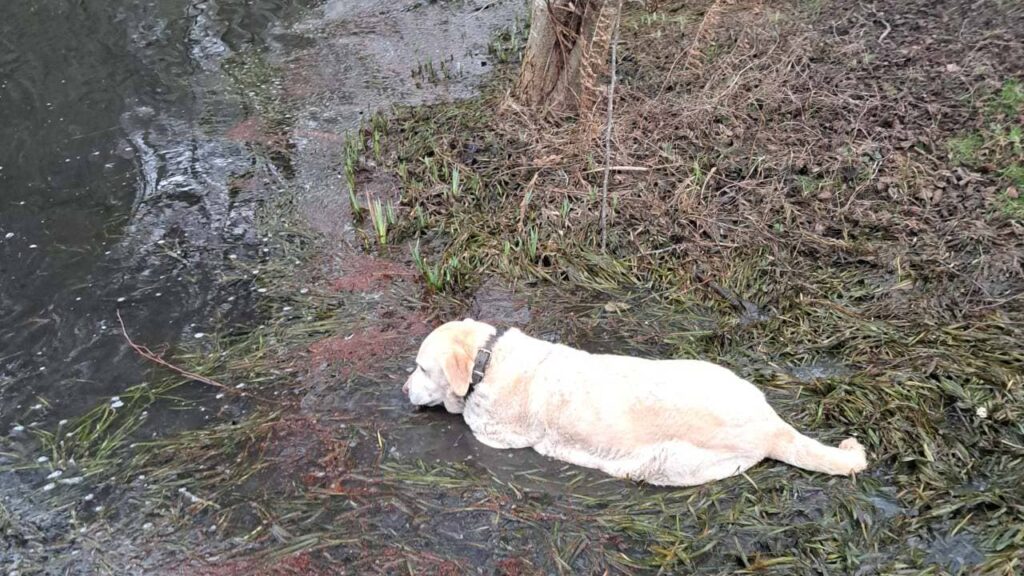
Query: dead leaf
x=614, y=307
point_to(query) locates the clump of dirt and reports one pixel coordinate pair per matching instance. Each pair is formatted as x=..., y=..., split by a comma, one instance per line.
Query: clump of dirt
x=363, y=273
x=359, y=351
x=514, y=567
x=299, y=446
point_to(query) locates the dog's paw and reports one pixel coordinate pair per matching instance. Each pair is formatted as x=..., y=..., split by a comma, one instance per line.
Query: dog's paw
x=851, y=445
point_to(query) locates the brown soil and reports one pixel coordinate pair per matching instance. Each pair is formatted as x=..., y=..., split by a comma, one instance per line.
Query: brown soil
x=253, y=130
x=515, y=567
x=362, y=273
x=359, y=351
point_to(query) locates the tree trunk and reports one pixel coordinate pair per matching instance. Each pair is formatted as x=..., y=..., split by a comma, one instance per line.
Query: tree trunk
x=564, y=54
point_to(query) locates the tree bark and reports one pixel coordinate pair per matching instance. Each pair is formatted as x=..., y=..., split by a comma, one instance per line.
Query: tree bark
x=564, y=54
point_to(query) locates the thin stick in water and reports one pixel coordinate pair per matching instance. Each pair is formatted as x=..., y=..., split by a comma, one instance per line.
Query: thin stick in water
x=156, y=359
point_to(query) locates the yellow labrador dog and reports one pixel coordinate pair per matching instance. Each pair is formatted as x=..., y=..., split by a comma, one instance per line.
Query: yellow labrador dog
x=666, y=422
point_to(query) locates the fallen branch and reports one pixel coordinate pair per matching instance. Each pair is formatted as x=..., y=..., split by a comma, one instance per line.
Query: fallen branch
x=156, y=359
x=608, y=132
x=741, y=305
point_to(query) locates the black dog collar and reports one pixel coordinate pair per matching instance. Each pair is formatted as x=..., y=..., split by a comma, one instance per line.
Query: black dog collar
x=483, y=359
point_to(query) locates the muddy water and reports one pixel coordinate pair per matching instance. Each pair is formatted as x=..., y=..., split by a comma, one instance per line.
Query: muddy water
x=119, y=142
x=114, y=186
x=115, y=194
x=124, y=134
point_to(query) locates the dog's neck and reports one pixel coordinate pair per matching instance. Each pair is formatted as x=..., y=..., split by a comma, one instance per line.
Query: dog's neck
x=483, y=359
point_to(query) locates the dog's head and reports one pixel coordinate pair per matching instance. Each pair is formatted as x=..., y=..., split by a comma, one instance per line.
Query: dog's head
x=444, y=365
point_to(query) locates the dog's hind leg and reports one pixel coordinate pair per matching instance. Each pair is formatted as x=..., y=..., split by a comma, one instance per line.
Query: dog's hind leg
x=792, y=447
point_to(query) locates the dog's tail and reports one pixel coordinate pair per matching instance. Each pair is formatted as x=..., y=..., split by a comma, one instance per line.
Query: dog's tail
x=792, y=447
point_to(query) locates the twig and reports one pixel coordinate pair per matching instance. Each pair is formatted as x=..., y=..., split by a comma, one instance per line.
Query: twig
x=608, y=131
x=741, y=305
x=660, y=250
x=884, y=23
x=636, y=168
x=886, y=33
x=704, y=185
x=526, y=199
x=1001, y=302
x=619, y=169
x=485, y=6
x=710, y=19
x=156, y=359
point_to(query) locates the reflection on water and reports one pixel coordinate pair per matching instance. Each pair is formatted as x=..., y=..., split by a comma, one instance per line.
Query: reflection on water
x=114, y=174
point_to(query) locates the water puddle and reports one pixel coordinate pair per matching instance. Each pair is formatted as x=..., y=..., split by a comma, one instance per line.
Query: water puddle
x=953, y=552
x=820, y=370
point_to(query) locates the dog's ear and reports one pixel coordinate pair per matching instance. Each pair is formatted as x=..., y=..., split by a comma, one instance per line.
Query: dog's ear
x=458, y=366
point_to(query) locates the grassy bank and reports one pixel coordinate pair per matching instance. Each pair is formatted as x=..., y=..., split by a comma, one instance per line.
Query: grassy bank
x=805, y=194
